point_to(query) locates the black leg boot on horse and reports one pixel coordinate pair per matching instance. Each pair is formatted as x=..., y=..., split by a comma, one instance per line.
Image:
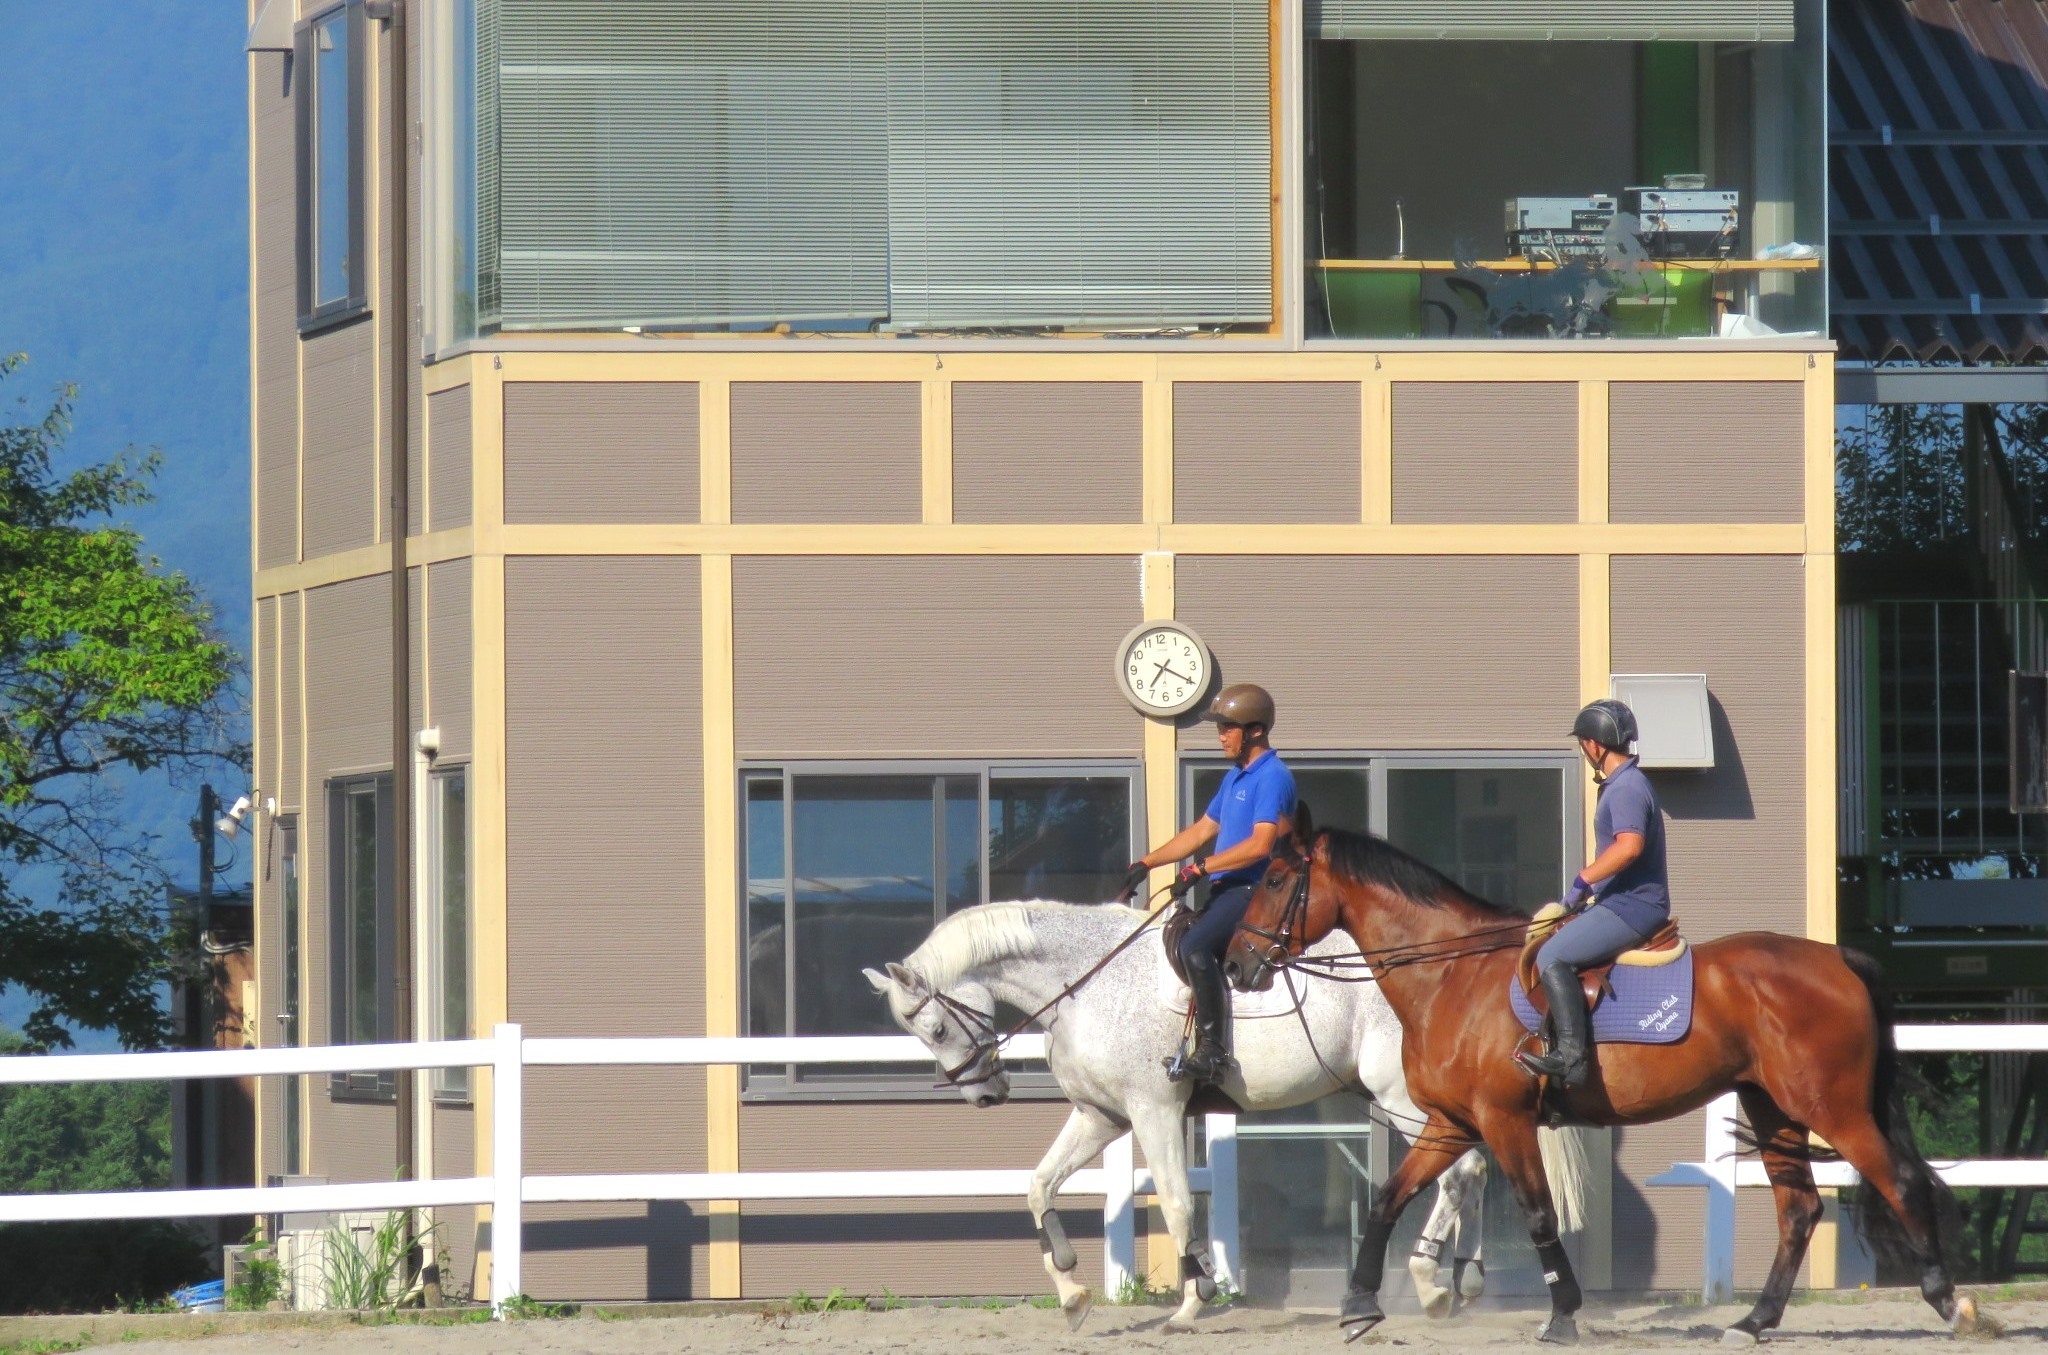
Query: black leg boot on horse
x=1567, y=1060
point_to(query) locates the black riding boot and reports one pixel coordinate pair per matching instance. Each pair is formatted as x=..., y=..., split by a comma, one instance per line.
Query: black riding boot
x=1569, y=1023
x=1208, y=1061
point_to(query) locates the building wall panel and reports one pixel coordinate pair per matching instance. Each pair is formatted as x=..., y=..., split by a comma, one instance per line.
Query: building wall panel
x=340, y=441
x=928, y=1247
x=276, y=338
x=449, y=442
x=888, y=656
x=291, y=752
x=1047, y=451
x=449, y=669
x=605, y=923
x=610, y=451
x=1486, y=451
x=1428, y=652
x=269, y=886
x=1266, y=451
x=1706, y=451
x=1739, y=620
x=827, y=451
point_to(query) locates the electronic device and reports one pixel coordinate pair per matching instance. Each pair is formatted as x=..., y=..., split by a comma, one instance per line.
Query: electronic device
x=1685, y=223
x=1558, y=246
x=1589, y=213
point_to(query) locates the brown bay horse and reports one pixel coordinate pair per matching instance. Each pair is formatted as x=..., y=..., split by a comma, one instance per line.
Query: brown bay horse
x=1799, y=1030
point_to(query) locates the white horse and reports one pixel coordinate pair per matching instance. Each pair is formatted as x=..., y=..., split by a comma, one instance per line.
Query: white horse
x=1105, y=1043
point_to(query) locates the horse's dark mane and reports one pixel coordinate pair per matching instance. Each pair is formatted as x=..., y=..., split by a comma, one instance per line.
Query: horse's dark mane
x=1361, y=858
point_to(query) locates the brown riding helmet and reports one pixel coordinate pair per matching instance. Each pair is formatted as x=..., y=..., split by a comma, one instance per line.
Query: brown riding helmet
x=1242, y=703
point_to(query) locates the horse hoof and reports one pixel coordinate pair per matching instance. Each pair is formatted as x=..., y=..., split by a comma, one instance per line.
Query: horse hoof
x=1078, y=1308
x=1966, y=1321
x=1736, y=1337
x=1436, y=1303
x=1471, y=1279
x=1183, y=1318
x=1561, y=1330
x=1360, y=1314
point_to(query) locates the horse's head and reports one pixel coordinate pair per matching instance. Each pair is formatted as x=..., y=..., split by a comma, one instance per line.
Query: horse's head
x=1292, y=909
x=957, y=1026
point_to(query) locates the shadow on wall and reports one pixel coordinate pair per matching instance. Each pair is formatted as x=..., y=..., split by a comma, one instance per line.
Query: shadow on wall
x=1632, y=1217
x=1719, y=793
x=666, y=1233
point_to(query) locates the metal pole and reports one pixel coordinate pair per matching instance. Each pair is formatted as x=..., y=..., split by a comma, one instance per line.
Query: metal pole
x=1119, y=1218
x=1223, y=1225
x=508, y=1168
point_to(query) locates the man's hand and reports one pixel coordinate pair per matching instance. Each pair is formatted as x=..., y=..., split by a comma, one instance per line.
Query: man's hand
x=1577, y=894
x=1135, y=876
x=1188, y=877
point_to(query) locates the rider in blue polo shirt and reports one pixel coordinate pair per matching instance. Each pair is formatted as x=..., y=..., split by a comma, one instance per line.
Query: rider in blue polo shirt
x=1253, y=806
x=1619, y=901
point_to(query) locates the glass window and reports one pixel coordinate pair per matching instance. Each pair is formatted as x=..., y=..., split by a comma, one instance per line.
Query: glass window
x=1498, y=831
x=448, y=917
x=865, y=165
x=1547, y=188
x=332, y=282
x=849, y=868
x=363, y=921
x=290, y=1033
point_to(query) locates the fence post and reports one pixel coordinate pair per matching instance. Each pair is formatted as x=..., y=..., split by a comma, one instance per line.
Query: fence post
x=1119, y=1218
x=1718, y=1281
x=508, y=1166
x=1223, y=1237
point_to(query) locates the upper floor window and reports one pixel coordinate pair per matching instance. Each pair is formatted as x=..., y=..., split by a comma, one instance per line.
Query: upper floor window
x=858, y=165
x=1479, y=170
x=851, y=866
x=328, y=74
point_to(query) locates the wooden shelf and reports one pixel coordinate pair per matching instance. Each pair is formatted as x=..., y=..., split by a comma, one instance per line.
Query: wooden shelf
x=1538, y=265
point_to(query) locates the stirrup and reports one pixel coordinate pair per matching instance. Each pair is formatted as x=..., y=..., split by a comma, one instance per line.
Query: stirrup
x=1191, y=1066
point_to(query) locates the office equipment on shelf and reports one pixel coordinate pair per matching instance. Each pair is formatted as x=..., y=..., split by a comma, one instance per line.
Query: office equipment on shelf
x=1557, y=246
x=1589, y=213
x=1685, y=223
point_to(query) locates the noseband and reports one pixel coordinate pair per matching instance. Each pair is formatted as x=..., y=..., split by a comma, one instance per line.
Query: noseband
x=987, y=1044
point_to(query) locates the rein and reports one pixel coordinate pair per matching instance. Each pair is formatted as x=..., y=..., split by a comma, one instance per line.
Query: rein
x=987, y=1041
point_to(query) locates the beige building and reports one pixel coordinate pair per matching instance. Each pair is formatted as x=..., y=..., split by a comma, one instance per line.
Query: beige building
x=781, y=483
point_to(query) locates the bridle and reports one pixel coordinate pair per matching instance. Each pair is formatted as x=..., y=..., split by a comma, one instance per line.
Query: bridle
x=1278, y=953
x=988, y=1043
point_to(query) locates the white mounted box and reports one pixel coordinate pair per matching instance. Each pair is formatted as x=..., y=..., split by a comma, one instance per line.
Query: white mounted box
x=1674, y=724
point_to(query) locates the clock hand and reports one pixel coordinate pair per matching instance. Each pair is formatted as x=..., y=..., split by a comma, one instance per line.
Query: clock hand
x=1176, y=676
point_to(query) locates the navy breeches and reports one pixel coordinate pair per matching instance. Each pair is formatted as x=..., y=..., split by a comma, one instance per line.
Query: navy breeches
x=1209, y=937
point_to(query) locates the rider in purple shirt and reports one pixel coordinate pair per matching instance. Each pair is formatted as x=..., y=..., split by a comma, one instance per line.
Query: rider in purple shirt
x=1619, y=901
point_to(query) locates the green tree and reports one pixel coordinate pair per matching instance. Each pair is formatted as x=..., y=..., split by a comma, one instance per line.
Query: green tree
x=74, y=1137
x=110, y=667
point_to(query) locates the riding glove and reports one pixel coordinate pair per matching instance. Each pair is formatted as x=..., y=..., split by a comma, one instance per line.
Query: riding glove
x=1135, y=876
x=1577, y=894
x=1190, y=875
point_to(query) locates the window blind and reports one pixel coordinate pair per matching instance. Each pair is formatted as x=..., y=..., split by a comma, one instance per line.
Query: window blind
x=1636, y=20
x=1097, y=163
x=674, y=162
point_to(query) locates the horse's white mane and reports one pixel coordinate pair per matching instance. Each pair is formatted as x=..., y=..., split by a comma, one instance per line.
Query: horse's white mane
x=990, y=932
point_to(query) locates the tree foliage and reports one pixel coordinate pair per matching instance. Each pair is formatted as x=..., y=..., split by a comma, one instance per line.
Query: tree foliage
x=109, y=667
x=88, y=1137
x=1899, y=474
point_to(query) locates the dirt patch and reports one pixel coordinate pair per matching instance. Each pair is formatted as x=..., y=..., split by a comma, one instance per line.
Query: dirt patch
x=1869, y=1326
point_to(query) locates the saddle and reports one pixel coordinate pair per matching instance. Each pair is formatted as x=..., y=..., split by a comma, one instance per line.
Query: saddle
x=1170, y=933
x=1663, y=948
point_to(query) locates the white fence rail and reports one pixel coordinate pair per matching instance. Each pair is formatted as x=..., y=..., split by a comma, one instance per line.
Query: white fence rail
x=1720, y=1171
x=509, y=1189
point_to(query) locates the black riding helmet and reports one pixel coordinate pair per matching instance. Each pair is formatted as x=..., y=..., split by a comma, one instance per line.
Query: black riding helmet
x=1609, y=723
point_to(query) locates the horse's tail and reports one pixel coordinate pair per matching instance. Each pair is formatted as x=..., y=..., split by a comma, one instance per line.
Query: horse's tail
x=1924, y=1192
x=1565, y=1164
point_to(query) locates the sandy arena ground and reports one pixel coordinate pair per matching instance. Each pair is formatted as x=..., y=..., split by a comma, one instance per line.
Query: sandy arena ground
x=1878, y=1326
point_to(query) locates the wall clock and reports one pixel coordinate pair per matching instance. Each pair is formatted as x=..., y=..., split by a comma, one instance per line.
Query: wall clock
x=1163, y=668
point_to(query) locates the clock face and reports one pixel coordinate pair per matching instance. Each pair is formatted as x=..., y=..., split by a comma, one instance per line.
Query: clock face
x=1163, y=668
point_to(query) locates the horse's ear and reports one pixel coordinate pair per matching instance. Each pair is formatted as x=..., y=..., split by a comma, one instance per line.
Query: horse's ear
x=907, y=979
x=877, y=980
x=1304, y=824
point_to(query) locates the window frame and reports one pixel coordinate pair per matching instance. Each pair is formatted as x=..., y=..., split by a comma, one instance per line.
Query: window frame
x=451, y=1086
x=1029, y=1080
x=379, y=788
x=314, y=315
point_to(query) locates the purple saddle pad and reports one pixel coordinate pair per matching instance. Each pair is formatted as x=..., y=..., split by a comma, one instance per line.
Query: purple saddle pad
x=1649, y=1006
